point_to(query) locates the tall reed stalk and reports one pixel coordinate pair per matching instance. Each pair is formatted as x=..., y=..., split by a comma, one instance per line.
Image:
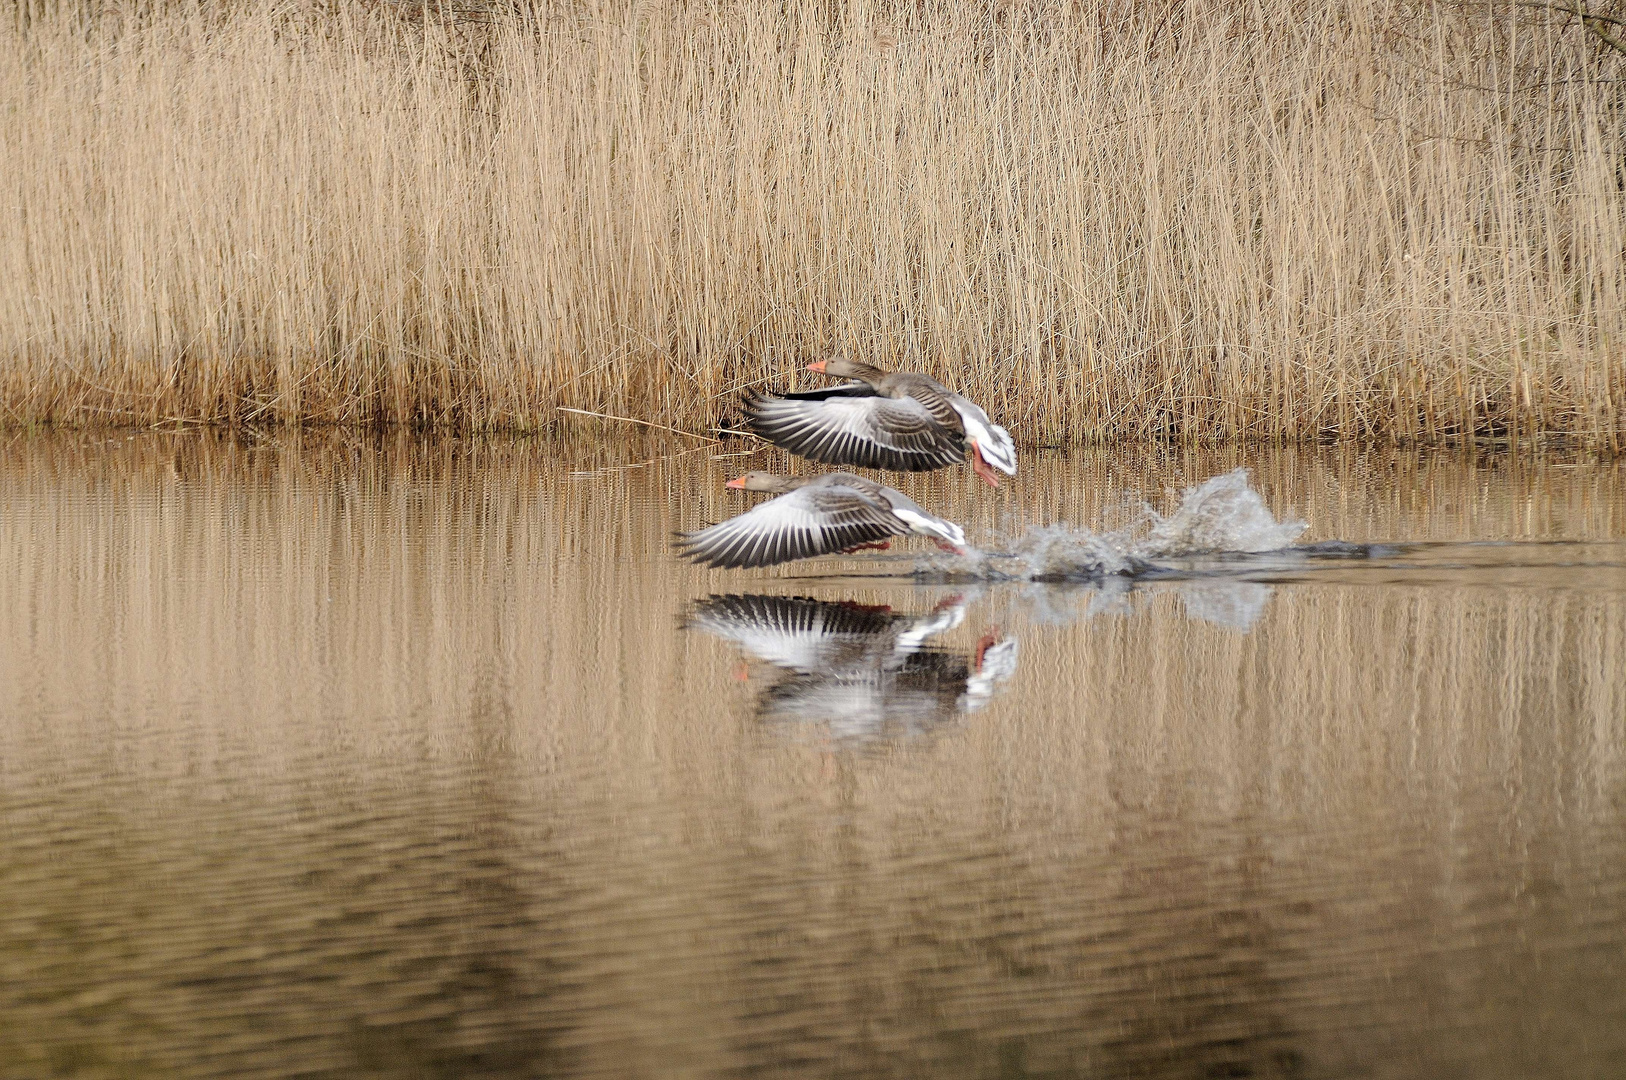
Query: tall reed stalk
x=1279, y=220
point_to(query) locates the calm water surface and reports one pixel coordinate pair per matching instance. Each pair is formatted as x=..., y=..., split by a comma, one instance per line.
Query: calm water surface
x=356, y=758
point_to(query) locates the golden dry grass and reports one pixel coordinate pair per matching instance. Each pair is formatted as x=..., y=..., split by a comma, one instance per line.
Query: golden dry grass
x=1281, y=220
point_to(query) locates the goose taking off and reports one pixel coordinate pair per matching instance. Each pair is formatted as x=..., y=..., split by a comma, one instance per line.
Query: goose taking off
x=818, y=515
x=883, y=420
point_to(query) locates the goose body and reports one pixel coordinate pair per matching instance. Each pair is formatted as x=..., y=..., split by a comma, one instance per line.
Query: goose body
x=899, y=420
x=819, y=515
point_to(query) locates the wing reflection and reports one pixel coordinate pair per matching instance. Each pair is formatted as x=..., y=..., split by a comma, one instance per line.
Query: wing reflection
x=863, y=671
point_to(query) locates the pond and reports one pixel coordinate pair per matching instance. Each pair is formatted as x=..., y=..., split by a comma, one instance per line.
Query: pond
x=331, y=755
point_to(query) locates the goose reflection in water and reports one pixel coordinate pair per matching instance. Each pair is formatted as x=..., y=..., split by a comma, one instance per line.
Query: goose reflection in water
x=863, y=671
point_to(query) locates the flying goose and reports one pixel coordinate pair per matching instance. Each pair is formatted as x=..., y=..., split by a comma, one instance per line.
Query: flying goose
x=899, y=420
x=818, y=515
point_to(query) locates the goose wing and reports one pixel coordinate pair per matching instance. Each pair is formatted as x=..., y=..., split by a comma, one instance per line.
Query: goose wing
x=855, y=708
x=933, y=396
x=847, y=427
x=993, y=441
x=846, y=389
x=919, y=520
x=793, y=631
x=819, y=519
x=945, y=618
x=862, y=703
x=959, y=413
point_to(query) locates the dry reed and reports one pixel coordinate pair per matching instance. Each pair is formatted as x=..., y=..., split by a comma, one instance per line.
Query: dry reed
x=1280, y=220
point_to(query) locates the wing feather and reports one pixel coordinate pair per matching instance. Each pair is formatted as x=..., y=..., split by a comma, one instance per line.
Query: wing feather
x=993, y=441
x=807, y=522
x=863, y=430
x=933, y=396
x=797, y=632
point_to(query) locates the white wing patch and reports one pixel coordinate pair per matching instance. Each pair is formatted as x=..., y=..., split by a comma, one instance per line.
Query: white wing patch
x=993, y=441
x=928, y=626
x=921, y=522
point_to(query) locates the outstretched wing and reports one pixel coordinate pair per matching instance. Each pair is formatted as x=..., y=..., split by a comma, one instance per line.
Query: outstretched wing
x=792, y=631
x=844, y=428
x=799, y=525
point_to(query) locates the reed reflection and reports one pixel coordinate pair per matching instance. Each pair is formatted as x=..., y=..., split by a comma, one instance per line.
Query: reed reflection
x=1233, y=603
x=863, y=671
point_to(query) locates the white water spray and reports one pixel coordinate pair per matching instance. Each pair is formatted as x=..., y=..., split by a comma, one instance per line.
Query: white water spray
x=1222, y=514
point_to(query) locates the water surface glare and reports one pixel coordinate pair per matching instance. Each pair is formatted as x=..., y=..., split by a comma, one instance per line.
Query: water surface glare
x=337, y=757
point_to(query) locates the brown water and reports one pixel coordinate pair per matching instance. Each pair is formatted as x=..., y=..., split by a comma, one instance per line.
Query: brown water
x=337, y=757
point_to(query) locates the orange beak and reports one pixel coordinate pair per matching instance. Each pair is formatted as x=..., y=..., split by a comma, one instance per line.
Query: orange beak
x=818, y=367
x=737, y=483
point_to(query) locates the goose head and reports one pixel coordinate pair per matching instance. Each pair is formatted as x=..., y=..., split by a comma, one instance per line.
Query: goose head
x=842, y=367
x=765, y=481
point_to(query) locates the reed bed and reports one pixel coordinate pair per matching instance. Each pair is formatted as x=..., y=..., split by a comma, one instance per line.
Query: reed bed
x=1359, y=220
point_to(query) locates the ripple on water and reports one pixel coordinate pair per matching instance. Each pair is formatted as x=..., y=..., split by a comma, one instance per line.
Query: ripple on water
x=340, y=757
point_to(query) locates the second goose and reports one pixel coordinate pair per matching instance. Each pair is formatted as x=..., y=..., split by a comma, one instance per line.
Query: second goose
x=818, y=515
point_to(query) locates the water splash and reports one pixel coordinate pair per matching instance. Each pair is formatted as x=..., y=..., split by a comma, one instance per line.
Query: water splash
x=1222, y=514
x=1061, y=551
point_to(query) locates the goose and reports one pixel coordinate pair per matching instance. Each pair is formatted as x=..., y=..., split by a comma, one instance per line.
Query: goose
x=899, y=420
x=819, y=515
x=860, y=669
